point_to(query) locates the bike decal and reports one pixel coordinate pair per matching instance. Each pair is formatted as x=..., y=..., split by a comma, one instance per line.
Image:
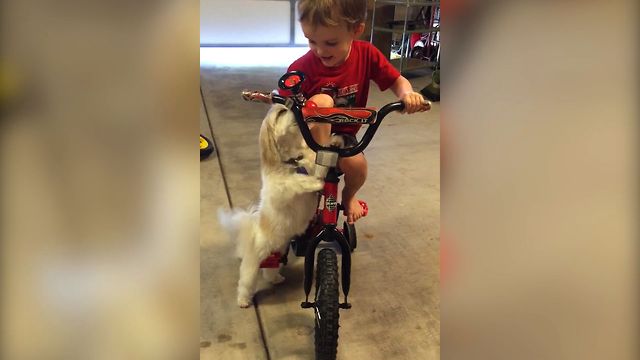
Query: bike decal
x=331, y=203
x=337, y=119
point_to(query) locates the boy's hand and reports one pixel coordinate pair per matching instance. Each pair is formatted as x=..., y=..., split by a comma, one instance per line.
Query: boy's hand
x=414, y=102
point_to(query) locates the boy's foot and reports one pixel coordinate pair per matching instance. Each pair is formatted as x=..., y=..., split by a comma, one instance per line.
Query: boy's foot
x=353, y=210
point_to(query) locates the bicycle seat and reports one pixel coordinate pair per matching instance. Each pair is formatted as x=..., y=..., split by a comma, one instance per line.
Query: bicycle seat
x=339, y=115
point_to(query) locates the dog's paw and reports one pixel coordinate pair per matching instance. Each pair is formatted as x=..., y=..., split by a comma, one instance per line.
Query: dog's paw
x=272, y=276
x=306, y=164
x=276, y=279
x=307, y=183
x=316, y=184
x=312, y=183
x=244, y=302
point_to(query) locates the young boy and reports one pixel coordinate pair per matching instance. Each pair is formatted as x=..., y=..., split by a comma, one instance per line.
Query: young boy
x=338, y=69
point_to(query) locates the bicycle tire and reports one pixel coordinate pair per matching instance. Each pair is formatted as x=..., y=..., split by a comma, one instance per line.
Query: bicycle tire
x=327, y=305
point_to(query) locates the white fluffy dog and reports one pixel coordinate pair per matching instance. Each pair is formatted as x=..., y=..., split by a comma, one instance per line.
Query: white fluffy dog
x=288, y=201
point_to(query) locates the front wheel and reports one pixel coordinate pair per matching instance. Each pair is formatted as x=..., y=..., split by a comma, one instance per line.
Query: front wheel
x=326, y=305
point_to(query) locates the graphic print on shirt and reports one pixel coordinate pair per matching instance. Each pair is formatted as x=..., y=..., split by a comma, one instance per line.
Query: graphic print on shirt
x=342, y=97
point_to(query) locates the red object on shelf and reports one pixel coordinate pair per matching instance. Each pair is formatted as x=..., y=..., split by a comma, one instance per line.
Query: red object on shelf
x=414, y=39
x=272, y=261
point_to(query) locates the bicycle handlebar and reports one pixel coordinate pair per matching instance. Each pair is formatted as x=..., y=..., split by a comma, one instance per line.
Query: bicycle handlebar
x=296, y=108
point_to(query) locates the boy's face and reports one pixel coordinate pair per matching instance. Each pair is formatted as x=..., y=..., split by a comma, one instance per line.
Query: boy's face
x=331, y=44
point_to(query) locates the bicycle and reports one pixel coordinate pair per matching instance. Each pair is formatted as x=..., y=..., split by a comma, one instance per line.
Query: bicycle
x=323, y=227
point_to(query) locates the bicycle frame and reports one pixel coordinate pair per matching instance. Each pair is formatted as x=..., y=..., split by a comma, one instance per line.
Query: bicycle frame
x=327, y=229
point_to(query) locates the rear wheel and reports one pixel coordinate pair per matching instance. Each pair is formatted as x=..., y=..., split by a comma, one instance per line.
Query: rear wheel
x=327, y=299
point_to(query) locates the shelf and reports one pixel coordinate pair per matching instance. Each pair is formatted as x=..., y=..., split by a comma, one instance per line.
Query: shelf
x=400, y=30
x=389, y=27
x=411, y=64
x=408, y=2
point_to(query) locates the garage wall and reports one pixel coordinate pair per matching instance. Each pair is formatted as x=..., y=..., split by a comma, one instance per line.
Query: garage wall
x=249, y=23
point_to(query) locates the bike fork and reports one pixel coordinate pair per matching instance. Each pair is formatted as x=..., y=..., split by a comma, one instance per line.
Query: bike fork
x=333, y=234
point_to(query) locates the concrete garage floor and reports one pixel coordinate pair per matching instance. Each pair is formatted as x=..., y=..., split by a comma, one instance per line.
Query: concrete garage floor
x=395, y=270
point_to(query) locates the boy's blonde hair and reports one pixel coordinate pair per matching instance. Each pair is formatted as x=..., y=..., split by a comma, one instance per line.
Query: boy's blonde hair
x=333, y=12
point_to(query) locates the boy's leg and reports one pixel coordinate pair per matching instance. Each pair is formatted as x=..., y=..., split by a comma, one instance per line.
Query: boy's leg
x=355, y=174
x=321, y=132
x=354, y=168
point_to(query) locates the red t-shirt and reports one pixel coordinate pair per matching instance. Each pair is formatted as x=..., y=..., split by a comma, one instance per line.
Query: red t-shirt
x=347, y=84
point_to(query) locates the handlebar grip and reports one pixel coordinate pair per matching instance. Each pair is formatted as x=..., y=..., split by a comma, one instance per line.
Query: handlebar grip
x=257, y=96
x=398, y=106
x=263, y=97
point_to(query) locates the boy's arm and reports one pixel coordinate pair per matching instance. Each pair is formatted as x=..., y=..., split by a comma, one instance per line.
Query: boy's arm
x=413, y=101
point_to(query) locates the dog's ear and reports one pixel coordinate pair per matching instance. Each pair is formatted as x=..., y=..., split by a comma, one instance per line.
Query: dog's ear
x=278, y=121
x=268, y=147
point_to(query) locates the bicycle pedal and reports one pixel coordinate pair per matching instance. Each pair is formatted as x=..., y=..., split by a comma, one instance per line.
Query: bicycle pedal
x=345, y=306
x=307, y=304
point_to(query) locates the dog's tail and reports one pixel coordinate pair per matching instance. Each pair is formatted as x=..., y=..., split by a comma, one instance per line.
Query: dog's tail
x=240, y=227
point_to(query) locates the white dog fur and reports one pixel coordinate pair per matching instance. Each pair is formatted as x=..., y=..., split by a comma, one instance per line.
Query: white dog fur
x=288, y=201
